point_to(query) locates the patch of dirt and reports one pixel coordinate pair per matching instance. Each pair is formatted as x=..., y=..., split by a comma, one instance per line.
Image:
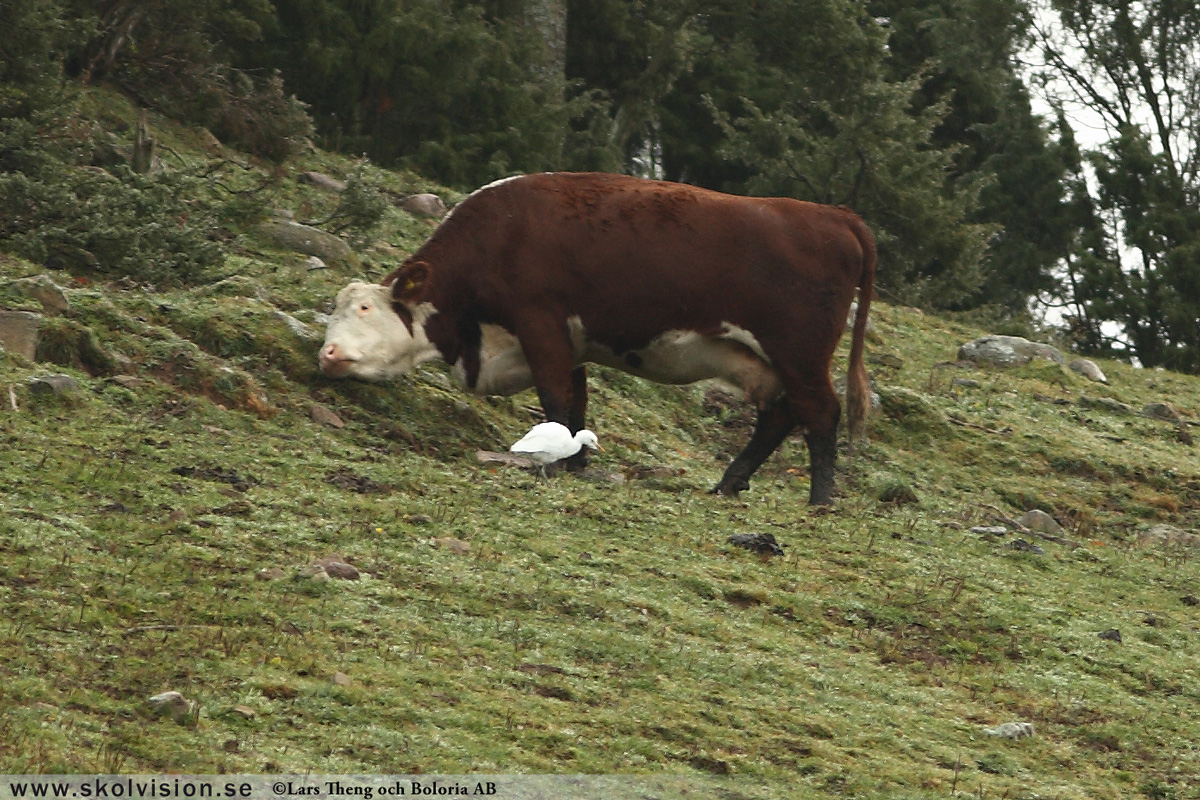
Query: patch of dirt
x=344, y=479
x=220, y=475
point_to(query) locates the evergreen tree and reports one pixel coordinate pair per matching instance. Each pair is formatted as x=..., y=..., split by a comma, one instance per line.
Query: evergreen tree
x=787, y=97
x=461, y=91
x=963, y=53
x=1136, y=267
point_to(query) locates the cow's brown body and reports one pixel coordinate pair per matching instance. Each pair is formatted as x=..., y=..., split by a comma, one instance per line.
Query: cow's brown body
x=628, y=260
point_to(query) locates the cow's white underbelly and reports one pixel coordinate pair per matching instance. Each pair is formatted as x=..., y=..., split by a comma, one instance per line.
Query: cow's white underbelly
x=674, y=357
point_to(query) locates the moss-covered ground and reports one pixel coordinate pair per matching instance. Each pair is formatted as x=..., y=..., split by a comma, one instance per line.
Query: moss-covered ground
x=591, y=623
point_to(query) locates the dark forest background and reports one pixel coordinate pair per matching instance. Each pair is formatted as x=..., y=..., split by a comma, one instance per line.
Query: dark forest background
x=919, y=115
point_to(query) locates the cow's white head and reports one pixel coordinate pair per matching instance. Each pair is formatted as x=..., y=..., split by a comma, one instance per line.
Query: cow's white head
x=367, y=339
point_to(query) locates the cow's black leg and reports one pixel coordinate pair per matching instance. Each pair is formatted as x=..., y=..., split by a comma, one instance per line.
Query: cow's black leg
x=774, y=423
x=822, y=454
x=818, y=411
x=577, y=414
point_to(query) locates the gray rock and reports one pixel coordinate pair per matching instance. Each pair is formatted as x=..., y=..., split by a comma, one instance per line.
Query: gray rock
x=43, y=289
x=305, y=239
x=53, y=384
x=424, y=205
x=312, y=264
x=1025, y=547
x=965, y=383
x=1163, y=412
x=269, y=574
x=314, y=572
x=1040, y=521
x=299, y=328
x=757, y=543
x=322, y=181
x=1105, y=404
x=850, y=322
x=1167, y=535
x=1112, y=635
x=1007, y=351
x=990, y=530
x=336, y=568
x=1088, y=369
x=172, y=704
x=19, y=332
x=1011, y=730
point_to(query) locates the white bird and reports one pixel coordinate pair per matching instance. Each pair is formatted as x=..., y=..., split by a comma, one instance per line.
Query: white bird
x=548, y=442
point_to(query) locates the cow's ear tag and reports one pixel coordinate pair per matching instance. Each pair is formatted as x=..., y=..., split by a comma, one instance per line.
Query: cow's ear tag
x=411, y=283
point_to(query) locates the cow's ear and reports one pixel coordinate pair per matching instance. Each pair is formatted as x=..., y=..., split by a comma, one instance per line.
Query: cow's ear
x=411, y=283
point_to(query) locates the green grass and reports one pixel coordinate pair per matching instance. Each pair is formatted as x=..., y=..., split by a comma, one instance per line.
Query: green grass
x=593, y=626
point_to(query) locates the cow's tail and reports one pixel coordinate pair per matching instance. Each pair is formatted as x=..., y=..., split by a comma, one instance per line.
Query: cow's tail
x=858, y=389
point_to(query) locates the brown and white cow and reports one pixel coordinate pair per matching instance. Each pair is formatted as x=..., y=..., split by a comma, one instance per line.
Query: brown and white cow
x=531, y=277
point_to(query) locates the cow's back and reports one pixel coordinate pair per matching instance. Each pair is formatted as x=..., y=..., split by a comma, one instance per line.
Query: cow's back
x=631, y=258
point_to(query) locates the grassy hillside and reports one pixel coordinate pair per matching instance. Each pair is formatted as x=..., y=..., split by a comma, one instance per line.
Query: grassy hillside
x=158, y=527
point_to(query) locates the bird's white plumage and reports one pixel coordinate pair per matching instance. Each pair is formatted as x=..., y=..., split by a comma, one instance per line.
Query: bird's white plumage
x=548, y=442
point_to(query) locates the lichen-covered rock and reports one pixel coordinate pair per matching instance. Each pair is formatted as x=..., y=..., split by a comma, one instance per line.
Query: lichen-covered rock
x=1040, y=521
x=19, y=332
x=1163, y=412
x=424, y=205
x=43, y=289
x=1007, y=351
x=306, y=239
x=1088, y=369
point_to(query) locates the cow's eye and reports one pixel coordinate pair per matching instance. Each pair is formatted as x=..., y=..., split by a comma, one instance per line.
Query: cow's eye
x=365, y=307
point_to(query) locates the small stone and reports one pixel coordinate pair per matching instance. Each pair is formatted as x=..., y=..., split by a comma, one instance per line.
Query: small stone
x=1190, y=600
x=246, y=712
x=340, y=679
x=965, y=383
x=339, y=569
x=173, y=704
x=325, y=416
x=990, y=530
x=757, y=543
x=1088, y=369
x=453, y=545
x=1040, y=521
x=269, y=574
x=1026, y=547
x=424, y=205
x=312, y=264
x=53, y=384
x=1011, y=730
x=314, y=572
x=1112, y=635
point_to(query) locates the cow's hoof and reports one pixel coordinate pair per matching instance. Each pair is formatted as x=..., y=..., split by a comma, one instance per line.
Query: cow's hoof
x=731, y=488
